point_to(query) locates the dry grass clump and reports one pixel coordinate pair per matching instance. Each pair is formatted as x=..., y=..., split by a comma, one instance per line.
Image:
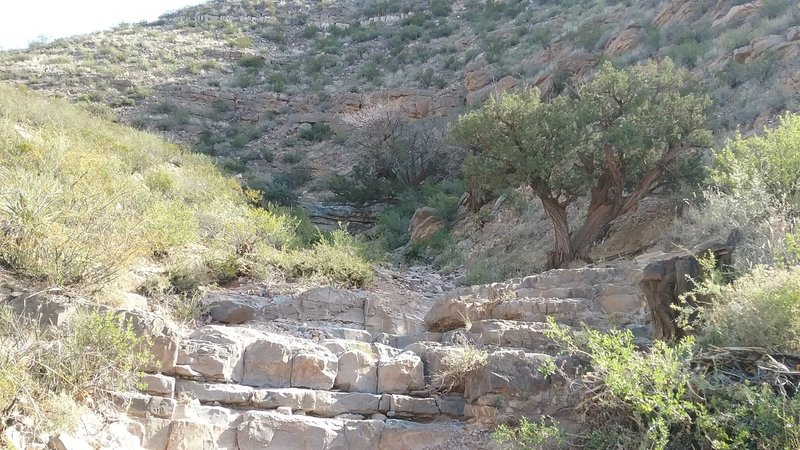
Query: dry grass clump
x=458, y=364
x=48, y=375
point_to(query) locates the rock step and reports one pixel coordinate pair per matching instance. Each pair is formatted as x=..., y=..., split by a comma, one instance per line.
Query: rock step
x=357, y=311
x=191, y=426
x=319, y=402
x=595, y=295
x=453, y=313
x=268, y=360
x=509, y=333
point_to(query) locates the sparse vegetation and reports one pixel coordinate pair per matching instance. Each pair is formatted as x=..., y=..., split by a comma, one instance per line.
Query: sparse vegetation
x=47, y=375
x=457, y=365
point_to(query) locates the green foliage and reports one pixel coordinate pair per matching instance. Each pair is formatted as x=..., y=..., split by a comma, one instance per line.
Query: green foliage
x=251, y=62
x=759, y=309
x=529, y=435
x=291, y=158
x=82, y=199
x=361, y=187
x=654, y=399
x=440, y=8
x=774, y=8
x=626, y=127
x=772, y=159
x=45, y=375
x=338, y=258
x=318, y=132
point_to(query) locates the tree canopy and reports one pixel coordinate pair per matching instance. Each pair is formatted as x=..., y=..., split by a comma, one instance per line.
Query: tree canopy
x=615, y=140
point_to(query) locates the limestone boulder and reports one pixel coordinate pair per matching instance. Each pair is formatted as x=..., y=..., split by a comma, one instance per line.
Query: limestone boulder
x=314, y=368
x=509, y=333
x=393, y=313
x=229, y=394
x=63, y=441
x=318, y=403
x=280, y=307
x=268, y=362
x=404, y=435
x=269, y=430
x=424, y=223
x=741, y=54
x=432, y=354
x=142, y=405
x=190, y=435
x=158, y=384
x=232, y=308
x=508, y=372
x=771, y=43
x=401, y=374
x=215, y=353
x=331, y=304
x=358, y=372
x=45, y=309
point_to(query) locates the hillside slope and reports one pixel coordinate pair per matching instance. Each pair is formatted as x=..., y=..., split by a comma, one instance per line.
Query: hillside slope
x=244, y=80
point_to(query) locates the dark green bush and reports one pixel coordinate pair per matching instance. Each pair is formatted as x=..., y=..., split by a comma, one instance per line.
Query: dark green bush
x=317, y=133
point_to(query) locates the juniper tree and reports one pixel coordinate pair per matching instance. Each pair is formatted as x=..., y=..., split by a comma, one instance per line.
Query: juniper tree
x=614, y=141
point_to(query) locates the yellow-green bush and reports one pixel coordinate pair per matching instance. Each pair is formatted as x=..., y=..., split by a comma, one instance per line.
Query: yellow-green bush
x=82, y=198
x=760, y=309
x=46, y=375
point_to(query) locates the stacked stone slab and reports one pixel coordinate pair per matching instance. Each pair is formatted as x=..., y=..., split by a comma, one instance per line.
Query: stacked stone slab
x=331, y=368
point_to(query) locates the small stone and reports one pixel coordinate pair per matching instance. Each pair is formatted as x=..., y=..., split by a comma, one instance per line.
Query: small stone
x=285, y=410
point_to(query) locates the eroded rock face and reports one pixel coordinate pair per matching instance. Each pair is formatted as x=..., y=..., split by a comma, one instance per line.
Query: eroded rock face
x=508, y=372
x=315, y=368
x=268, y=362
x=268, y=430
x=232, y=309
x=215, y=353
x=623, y=42
x=331, y=304
x=358, y=372
x=590, y=295
x=424, y=223
x=401, y=374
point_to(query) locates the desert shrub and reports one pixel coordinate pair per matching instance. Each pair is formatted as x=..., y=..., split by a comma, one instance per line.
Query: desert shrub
x=294, y=177
x=754, y=194
x=759, y=309
x=530, y=435
x=242, y=42
x=338, y=258
x=772, y=159
x=318, y=132
x=291, y=158
x=774, y=8
x=47, y=375
x=441, y=8
x=251, y=62
x=457, y=364
x=392, y=228
x=481, y=271
x=402, y=151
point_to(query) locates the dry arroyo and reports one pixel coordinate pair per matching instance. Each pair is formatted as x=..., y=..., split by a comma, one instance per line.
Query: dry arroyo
x=329, y=368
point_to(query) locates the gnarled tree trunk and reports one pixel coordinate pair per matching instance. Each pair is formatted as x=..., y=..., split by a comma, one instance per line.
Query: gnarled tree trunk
x=562, y=251
x=609, y=202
